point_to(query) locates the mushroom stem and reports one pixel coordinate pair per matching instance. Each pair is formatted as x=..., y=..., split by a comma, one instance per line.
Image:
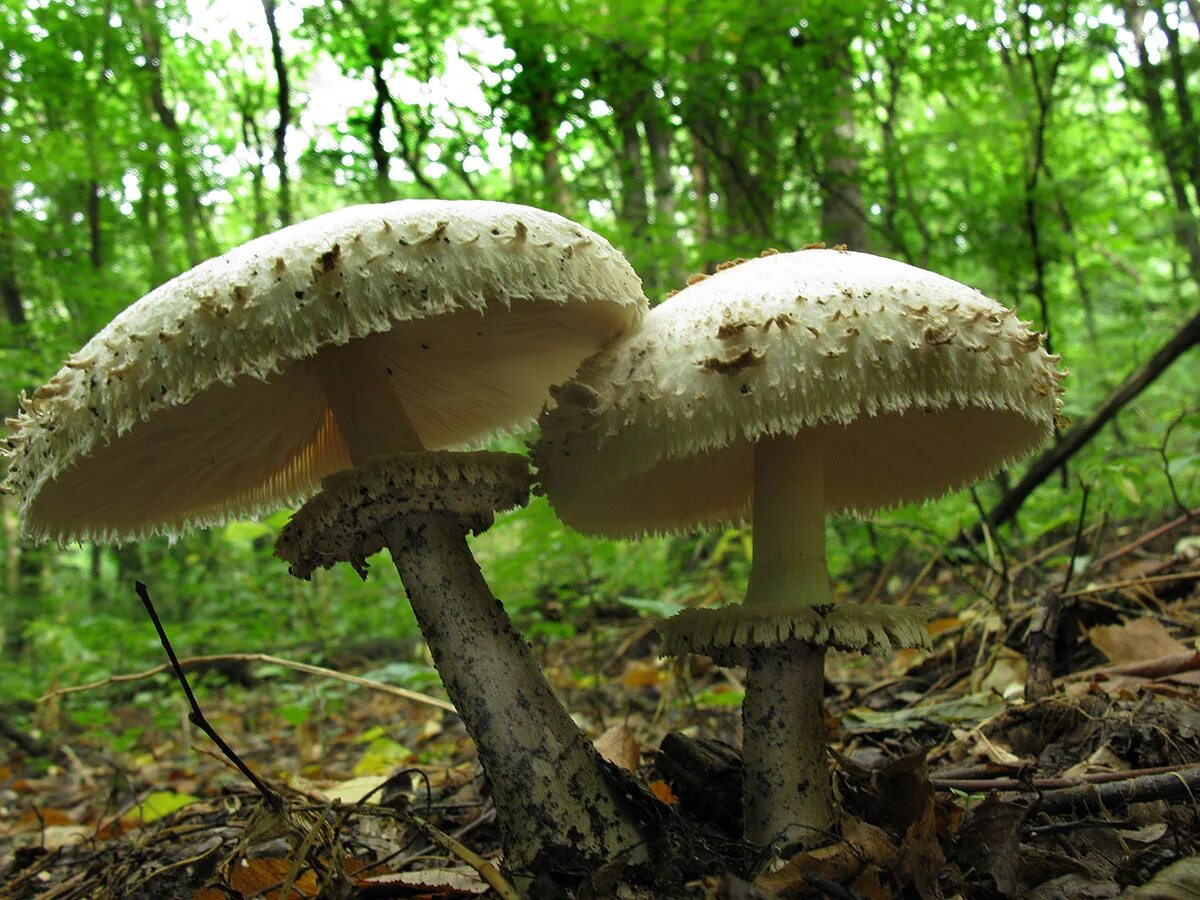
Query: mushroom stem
x=559, y=807
x=788, y=796
x=352, y=377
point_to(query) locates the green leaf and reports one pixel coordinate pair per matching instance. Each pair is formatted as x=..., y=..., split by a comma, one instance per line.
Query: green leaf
x=157, y=805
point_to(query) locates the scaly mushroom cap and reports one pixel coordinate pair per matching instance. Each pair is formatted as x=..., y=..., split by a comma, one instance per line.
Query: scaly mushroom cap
x=201, y=402
x=909, y=383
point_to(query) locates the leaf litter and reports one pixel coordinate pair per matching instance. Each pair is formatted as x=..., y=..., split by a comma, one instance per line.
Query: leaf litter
x=954, y=783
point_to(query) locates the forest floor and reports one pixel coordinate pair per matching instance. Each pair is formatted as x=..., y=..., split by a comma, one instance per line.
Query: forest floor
x=1047, y=747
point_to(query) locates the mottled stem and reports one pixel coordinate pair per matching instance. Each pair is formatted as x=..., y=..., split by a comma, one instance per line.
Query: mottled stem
x=788, y=795
x=559, y=807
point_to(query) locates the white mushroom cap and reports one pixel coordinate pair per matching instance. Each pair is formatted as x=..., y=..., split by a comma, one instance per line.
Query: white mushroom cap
x=908, y=383
x=201, y=401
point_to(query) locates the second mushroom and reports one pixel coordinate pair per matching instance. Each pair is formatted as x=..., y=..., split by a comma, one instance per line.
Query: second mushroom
x=780, y=390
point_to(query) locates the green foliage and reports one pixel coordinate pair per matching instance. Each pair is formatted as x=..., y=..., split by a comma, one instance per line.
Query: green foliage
x=1008, y=145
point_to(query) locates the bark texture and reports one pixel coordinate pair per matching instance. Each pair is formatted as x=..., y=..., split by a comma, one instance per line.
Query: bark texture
x=560, y=807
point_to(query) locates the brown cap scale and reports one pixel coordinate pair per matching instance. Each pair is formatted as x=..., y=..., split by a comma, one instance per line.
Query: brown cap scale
x=779, y=390
x=355, y=348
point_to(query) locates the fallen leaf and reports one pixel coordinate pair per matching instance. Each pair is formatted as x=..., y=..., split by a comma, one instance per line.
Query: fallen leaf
x=1135, y=640
x=641, y=673
x=620, y=747
x=862, y=845
x=1007, y=674
x=256, y=877
x=442, y=883
x=155, y=806
x=663, y=792
x=382, y=756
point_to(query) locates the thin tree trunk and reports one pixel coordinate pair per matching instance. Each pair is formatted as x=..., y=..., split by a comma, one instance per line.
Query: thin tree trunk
x=383, y=180
x=253, y=141
x=189, y=207
x=701, y=175
x=843, y=217
x=634, y=210
x=284, y=110
x=10, y=288
x=658, y=137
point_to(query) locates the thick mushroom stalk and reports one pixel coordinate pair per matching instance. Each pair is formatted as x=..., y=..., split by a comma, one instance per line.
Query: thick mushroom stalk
x=562, y=808
x=781, y=631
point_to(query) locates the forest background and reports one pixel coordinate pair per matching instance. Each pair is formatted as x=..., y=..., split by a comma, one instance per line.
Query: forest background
x=1047, y=154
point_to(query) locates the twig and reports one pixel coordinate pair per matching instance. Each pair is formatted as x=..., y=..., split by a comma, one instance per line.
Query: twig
x=1024, y=564
x=367, y=683
x=979, y=785
x=1098, y=799
x=1132, y=582
x=1166, y=464
x=1145, y=538
x=1087, y=490
x=486, y=870
x=196, y=716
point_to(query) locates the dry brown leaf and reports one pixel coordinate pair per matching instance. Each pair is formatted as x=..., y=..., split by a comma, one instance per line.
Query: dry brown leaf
x=1135, y=640
x=253, y=877
x=620, y=747
x=862, y=846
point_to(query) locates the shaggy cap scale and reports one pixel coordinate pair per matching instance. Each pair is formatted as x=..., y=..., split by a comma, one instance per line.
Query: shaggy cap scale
x=200, y=402
x=910, y=384
x=345, y=522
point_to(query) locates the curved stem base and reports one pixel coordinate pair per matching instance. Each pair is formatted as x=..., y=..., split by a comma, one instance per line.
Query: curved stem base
x=560, y=807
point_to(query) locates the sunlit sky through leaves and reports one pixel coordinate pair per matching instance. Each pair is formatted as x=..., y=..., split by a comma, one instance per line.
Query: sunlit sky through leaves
x=325, y=96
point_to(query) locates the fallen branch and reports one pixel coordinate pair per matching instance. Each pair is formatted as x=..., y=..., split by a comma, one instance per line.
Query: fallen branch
x=1097, y=799
x=1075, y=439
x=367, y=683
x=1159, y=667
x=485, y=869
x=1132, y=582
x=1029, y=785
x=26, y=743
x=1146, y=538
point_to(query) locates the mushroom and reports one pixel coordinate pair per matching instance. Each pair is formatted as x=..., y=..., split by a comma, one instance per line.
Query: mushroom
x=353, y=349
x=784, y=389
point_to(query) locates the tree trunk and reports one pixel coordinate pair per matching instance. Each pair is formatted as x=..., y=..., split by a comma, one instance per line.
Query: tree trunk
x=843, y=219
x=383, y=179
x=1146, y=83
x=189, y=207
x=10, y=288
x=658, y=137
x=284, y=110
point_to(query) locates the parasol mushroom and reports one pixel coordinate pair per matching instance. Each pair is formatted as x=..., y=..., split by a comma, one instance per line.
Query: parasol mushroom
x=784, y=389
x=353, y=349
